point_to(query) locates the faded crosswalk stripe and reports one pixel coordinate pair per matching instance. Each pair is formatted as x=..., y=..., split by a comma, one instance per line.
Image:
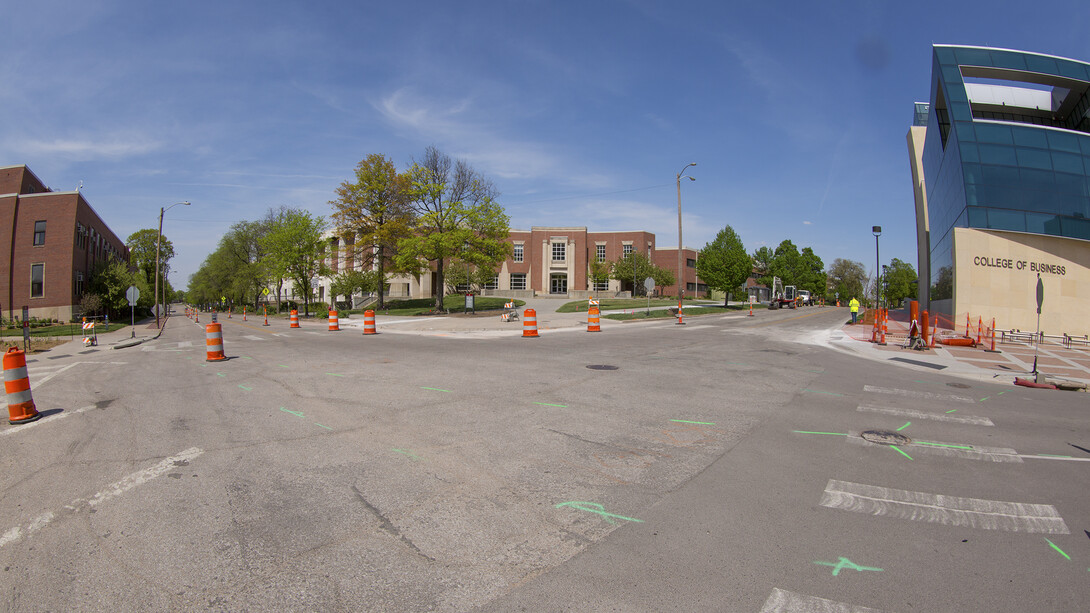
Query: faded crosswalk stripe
x=946, y=510
x=783, y=601
x=950, y=450
x=253, y=338
x=911, y=394
x=914, y=414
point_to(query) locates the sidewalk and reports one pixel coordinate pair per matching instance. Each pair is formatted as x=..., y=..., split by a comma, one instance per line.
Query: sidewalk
x=1012, y=359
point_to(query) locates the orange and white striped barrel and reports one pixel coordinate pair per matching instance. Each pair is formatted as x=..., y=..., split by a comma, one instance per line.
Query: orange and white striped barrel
x=529, y=323
x=334, y=322
x=294, y=319
x=213, y=340
x=593, y=321
x=243, y=313
x=17, y=386
x=369, y=322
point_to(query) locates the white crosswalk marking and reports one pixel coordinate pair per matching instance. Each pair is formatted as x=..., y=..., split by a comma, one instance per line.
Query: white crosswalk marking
x=950, y=450
x=184, y=344
x=254, y=338
x=914, y=414
x=911, y=394
x=783, y=601
x=946, y=510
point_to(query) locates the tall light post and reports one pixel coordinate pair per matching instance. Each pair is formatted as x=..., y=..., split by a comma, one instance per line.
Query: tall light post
x=680, y=279
x=158, y=241
x=877, y=231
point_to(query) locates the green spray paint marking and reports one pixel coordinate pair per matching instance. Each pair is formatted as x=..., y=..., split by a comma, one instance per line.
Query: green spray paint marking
x=951, y=410
x=1049, y=455
x=904, y=426
x=900, y=451
x=969, y=447
x=984, y=398
x=702, y=423
x=219, y=374
x=246, y=388
x=1002, y=392
x=282, y=366
x=596, y=508
x=807, y=432
x=412, y=456
x=321, y=426
x=846, y=563
x=434, y=389
x=333, y=374
x=295, y=413
x=546, y=404
x=821, y=392
x=246, y=357
x=1058, y=549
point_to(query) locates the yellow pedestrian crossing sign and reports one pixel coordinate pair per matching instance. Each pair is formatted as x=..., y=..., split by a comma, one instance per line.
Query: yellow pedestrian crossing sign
x=265, y=291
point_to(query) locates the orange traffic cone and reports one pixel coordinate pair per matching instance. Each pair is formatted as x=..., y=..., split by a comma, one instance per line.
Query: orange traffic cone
x=213, y=340
x=369, y=322
x=529, y=324
x=334, y=323
x=17, y=385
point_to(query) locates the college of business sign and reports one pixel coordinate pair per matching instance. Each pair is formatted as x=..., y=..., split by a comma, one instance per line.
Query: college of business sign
x=1055, y=269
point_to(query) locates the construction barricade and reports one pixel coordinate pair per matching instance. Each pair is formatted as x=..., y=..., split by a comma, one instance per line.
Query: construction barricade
x=213, y=340
x=90, y=337
x=593, y=320
x=369, y=323
x=529, y=323
x=334, y=322
x=21, y=408
x=294, y=319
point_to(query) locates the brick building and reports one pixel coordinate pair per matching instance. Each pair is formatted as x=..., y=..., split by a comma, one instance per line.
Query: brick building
x=50, y=243
x=551, y=261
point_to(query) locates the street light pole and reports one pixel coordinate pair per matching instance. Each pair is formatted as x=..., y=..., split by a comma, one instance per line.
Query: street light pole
x=877, y=231
x=680, y=279
x=158, y=241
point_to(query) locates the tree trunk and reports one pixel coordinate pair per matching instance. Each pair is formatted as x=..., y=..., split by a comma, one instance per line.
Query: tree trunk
x=381, y=277
x=440, y=286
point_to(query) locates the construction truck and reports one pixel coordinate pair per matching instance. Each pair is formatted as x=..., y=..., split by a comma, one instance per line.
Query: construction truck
x=782, y=297
x=804, y=298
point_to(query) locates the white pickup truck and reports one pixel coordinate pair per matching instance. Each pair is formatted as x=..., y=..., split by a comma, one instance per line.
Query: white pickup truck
x=804, y=298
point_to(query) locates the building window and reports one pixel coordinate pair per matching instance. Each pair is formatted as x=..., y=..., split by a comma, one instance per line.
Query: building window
x=601, y=286
x=79, y=285
x=518, y=280
x=626, y=250
x=559, y=252
x=493, y=283
x=517, y=257
x=600, y=252
x=690, y=262
x=37, y=280
x=39, y=233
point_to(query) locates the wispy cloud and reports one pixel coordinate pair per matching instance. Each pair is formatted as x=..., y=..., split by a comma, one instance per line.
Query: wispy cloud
x=807, y=223
x=88, y=149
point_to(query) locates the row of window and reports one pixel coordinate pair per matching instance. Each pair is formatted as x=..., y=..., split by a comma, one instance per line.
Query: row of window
x=559, y=252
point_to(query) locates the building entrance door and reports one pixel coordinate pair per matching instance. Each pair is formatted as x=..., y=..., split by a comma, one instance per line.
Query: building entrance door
x=558, y=283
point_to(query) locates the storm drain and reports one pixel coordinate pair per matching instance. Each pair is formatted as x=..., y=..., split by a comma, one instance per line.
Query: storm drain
x=601, y=367
x=885, y=437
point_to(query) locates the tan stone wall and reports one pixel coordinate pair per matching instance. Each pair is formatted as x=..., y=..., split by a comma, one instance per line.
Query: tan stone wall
x=996, y=276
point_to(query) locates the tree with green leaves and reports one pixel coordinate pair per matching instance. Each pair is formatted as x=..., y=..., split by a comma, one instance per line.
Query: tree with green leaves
x=723, y=264
x=847, y=279
x=811, y=273
x=636, y=267
x=458, y=221
x=599, y=271
x=762, y=262
x=348, y=282
x=294, y=249
x=141, y=246
x=109, y=280
x=375, y=210
x=898, y=282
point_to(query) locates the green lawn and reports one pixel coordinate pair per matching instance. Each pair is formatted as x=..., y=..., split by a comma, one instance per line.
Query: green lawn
x=665, y=313
x=72, y=330
x=454, y=303
x=612, y=304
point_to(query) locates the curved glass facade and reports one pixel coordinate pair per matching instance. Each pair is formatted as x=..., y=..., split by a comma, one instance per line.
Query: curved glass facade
x=1007, y=148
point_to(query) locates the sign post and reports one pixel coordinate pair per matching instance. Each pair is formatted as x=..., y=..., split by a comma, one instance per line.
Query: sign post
x=1037, y=336
x=648, y=284
x=26, y=329
x=132, y=295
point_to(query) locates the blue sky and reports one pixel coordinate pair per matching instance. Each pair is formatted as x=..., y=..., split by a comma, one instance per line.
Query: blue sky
x=582, y=113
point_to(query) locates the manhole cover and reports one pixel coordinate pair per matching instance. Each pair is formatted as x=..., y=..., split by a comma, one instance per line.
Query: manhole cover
x=885, y=437
x=601, y=367
x=960, y=386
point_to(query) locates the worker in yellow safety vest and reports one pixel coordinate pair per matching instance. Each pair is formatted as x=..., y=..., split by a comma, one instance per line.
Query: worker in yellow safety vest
x=854, y=304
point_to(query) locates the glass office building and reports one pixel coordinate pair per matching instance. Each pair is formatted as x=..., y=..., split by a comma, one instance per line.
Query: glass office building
x=1002, y=147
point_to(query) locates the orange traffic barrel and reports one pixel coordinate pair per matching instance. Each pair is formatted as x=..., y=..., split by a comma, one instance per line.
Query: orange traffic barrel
x=593, y=320
x=17, y=385
x=213, y=340
x=529, y=323
x=294, y=318
x=369, y=322
x=334, y=323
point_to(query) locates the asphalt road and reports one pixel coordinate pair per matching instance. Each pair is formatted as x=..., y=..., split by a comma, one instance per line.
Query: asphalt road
x=719, y=465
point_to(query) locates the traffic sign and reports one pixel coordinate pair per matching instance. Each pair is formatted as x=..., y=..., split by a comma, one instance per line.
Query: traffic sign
x=265, y=291
x=649, y=284
x=1040, y=293
x=132, y=294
